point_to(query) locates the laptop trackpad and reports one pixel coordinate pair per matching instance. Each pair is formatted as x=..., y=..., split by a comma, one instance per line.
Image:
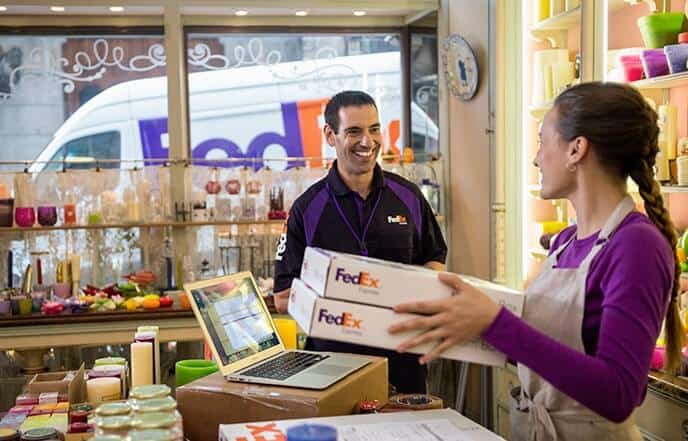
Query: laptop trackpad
x=329, y=369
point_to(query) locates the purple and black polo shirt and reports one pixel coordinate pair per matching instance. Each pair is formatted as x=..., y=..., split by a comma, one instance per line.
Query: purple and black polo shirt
x=402, y=229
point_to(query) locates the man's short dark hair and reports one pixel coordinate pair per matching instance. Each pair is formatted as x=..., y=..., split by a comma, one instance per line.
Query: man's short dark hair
x=345, y=99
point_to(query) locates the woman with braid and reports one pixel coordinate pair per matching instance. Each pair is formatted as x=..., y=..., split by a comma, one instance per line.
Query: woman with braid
x=594, y=312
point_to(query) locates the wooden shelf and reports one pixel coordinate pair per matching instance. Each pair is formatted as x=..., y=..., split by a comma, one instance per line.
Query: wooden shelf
x=539, y=253
x=560, y=22
x=664, y=82
x=674, y=189
x=36, y=319
x=679, y=383
x=139, y=225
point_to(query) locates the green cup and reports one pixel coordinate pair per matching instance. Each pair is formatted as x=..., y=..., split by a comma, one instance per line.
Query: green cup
x=186, y=371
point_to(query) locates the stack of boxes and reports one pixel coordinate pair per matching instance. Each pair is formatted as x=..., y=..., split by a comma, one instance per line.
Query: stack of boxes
x=350, y=298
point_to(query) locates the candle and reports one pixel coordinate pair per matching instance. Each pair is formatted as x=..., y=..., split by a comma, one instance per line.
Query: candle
x=141, y=364
x=103, y=389
x=156, y=350
x=9, y=269
x=150, y=337
x=39, y=271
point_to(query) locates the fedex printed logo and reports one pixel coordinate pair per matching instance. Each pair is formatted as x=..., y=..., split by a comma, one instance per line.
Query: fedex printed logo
x=345, y=320
x=265, y=432
x=363, y=278
x=398, y=219
x=300, y=135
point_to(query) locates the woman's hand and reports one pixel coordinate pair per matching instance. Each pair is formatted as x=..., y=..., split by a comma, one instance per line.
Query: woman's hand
x=454, y=320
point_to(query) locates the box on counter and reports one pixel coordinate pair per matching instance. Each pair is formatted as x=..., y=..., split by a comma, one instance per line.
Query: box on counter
x=210, y=401
x=71, y=383
x=323, y=317
x=378, y=282
x=444, y=424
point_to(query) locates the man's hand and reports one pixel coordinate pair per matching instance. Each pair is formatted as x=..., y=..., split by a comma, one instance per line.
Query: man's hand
x=282, y=301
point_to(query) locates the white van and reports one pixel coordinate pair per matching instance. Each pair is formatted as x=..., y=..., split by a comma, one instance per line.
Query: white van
x=252, y=112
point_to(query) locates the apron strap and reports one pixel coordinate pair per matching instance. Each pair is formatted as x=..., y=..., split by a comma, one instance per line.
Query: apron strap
x=622, y=210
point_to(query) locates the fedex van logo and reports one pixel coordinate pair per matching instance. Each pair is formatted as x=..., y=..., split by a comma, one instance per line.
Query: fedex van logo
x=302, y=137
x=345, y=320
x=363, y=278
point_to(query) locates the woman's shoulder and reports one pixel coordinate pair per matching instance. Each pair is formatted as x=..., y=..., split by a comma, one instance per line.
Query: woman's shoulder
x=640, y=239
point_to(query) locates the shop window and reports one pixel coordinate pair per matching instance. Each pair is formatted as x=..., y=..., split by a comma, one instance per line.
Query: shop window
x=424, y=98
x=53, y=87
x=262, y=95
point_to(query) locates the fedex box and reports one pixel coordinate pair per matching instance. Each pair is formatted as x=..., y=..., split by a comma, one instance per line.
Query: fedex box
x=331, y=319
x=367, y=280
x=381, y=283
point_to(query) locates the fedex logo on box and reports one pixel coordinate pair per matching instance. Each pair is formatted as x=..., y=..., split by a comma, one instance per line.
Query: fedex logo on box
x=345, y=320
x=363, y=278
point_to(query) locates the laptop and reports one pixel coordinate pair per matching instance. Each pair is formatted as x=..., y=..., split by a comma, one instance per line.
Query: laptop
x=245, y=341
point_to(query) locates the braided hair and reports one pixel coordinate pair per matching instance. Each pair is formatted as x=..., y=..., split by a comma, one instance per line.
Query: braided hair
x=622, y=129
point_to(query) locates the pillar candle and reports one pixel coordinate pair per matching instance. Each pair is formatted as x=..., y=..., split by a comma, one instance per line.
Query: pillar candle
x=103, y=389
x=150, y=337
x=156, y=350
x=141, y=364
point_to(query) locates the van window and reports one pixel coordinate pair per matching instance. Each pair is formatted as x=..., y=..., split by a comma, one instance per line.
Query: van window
x=101, y=146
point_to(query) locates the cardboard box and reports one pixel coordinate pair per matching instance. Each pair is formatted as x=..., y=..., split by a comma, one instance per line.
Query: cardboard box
x=378, y=282
x=72, y=383
x=210, y=401
x=367, y=325
x=444, y=424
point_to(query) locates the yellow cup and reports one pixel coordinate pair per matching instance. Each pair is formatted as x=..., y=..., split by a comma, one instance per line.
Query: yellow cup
x=287, y=331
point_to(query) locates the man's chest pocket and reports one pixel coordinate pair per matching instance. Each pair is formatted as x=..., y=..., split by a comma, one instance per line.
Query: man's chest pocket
x=396, y=246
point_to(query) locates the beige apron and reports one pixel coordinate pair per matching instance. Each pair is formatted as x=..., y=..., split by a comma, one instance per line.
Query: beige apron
x=555, y=305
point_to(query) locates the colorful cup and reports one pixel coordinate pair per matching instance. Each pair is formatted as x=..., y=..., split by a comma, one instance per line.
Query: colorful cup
x=5, y=307
x=25, y=216
x=187, y=371
x=62, y=290
x=287, y=331
x=6, y=212
x=25, y=306
x=47, y=215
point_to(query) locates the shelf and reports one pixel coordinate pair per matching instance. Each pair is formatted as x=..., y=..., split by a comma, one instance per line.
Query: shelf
x=539, y=253
x=560, y=22
x=36, y=319
x=664, y=82
x=678, y=383
x=674, y=189
x=139, y=225
x=538, y=112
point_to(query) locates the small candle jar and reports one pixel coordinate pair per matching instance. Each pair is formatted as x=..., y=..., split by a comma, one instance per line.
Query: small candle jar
x=150, y=391
x=41, y=434
x=69, y=213
x=24, y=216
x=114, y=425
x=151, y=435
x=25, y=306
x=110, y=360
x=103, y=389
x=157, y=421
x=47, y=216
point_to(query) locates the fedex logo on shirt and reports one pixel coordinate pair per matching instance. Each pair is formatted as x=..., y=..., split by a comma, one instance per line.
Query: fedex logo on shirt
x=345, y=320
x=363, y=279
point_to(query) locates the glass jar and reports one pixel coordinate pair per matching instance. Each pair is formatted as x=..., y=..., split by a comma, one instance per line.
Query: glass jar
x=113, y=425
x=150, y=391
x=158, y=421
x=113, y=409
x=159, y=405
x=151, y=435
x=41, y=434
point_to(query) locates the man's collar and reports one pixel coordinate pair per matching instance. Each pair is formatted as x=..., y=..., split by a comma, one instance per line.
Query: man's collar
x=336, y=183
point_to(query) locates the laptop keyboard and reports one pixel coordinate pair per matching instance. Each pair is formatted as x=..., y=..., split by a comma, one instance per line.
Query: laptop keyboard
x=284, y=366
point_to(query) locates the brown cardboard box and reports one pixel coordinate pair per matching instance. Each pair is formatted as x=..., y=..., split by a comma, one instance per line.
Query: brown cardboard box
x=210, y=401
x=71, y=383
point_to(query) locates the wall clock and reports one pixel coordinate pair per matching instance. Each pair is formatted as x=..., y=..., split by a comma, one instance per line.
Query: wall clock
x=460, y=67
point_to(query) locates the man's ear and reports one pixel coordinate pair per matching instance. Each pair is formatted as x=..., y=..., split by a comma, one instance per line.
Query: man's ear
x=329, y=135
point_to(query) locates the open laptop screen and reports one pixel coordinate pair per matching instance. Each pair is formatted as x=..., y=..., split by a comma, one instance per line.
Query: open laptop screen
x=235, y=319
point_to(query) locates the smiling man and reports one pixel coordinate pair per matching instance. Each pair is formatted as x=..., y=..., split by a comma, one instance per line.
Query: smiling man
x=360, y=209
